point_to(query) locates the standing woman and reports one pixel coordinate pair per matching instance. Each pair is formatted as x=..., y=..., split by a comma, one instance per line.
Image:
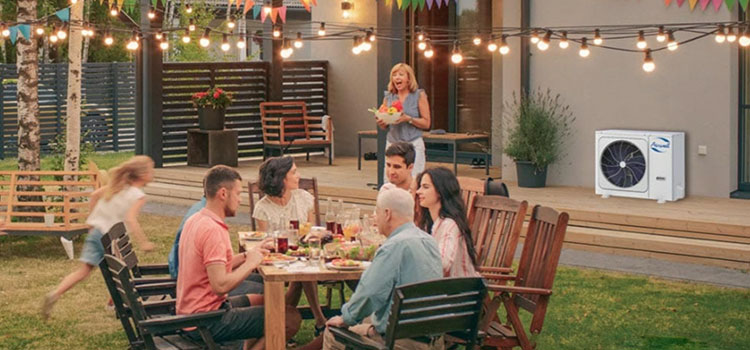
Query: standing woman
x=443, y=214
x=120, y=201
x=415, y=116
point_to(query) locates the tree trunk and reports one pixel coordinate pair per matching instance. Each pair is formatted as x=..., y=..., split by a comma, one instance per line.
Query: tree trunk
x=87, y=15
x=28, y=102
x=73, y=112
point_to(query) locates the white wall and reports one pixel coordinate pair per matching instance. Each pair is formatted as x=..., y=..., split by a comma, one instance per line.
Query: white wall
x=352, y=79
x=693, y=89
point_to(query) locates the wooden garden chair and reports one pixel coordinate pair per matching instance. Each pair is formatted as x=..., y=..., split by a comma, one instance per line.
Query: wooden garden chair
x=427, y=310
x=309, y=185
x=151, y=332
x=286, y=125
x=470, y=188
x=532, y=285
x=496, y=226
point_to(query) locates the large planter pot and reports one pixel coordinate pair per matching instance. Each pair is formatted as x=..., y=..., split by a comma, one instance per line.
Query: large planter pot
x=529, y=175
x=211, y=118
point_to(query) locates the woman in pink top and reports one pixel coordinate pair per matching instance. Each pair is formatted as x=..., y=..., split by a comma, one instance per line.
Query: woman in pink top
x=444, y=216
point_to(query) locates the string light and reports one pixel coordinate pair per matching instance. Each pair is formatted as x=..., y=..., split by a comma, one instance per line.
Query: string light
x=108, y=39
x=504, y=48
x=191, y=26
x=39, y=31
x=151, y=13
x=534, y=37
x=159, y=35
x=671, y=43
x=543, y=44
x=641, y=44
x=267, y=8
x=564, y=40
x=456, y=57
x=429, y=52
x=205, y=40
x=598, y=37
x=745, y=38
x=276, y=32
x=133, y=43
x=286, y=49
x=721, y=35
x=298, y=42
x=62, y=34
x=231, y=24
x=241, y=44
x=421, y=45
x=225, y=43
x=492, y=46
x=371, y=35
x=73, y=2
x=366, y=44
x=322, y=29
x=648, y=62
x=164, y=45
x=53, y=37
x=731, y=36
x=420, y=35
x=346, y=9
x=661, y=36
x=188, y=9
x=477, y=39
x=356, y=49
x=113, y=11
x=584, y=51
x=5, y=30
x=186, y=37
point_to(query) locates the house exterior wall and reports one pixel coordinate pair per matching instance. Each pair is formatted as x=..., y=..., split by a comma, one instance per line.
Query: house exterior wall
x=693, y=89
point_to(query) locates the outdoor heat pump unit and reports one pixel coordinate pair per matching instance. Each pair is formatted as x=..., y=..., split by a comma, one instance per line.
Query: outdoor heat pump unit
x=640, y=164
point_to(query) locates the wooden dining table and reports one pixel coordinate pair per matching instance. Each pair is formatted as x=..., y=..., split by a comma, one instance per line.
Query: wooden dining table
x=274, y=296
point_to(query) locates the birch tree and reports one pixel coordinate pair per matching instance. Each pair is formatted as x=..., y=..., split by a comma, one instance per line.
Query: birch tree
x=73, y=112
x=28, y=96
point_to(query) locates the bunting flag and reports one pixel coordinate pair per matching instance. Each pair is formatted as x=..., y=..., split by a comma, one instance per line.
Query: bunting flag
x=256, y=11
x=13, y=34
x=307, y=6
x=429, y=4
x=400, y=3
x=730, y=4
x=25, y=30
x=64, y=14
x=282, y=13
x=667, y=2
x=680, y=2
x=421, y=5
x=743, y=3
x=315, y=2
x=248, y=5
x=154, y=3
x=692, y=4
x=717, y=4
x=262, y=16
x=704, y=4
x=274, y=13
x=388, y=3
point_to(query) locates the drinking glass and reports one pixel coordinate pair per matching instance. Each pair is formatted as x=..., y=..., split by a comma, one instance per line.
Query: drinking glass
x=313, y=244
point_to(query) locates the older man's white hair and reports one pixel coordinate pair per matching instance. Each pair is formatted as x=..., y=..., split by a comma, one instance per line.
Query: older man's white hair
x=399, y=201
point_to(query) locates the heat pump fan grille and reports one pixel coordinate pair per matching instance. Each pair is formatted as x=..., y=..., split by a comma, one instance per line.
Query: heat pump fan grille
x=623, y=164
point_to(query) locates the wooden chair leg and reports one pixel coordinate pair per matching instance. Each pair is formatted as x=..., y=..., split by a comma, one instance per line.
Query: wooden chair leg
x=330, y=155
x=515, y=322
x=307, y=156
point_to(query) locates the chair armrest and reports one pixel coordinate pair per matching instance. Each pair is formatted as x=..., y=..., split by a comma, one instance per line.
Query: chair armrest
x=496, y=269
x=169, y=324
x=154, y=269
x=521, y=290
x=152, y=280
x=165, y=288
x=160, y=307
x=312, y=117
x=354, y=340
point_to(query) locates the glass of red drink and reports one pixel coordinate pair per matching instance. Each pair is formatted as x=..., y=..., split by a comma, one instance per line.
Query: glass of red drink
x=295, y=224
x=331, y=226
x=282, y=244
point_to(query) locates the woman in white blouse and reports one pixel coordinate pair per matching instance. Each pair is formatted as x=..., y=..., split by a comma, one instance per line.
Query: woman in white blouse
x=444, y=216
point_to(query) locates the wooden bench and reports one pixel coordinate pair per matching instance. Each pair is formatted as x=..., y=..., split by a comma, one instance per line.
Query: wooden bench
x=286, y=125
x=26, y=197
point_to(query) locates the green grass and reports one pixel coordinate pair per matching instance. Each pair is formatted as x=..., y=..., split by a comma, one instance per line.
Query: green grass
x=589, y=310
x=102, y=160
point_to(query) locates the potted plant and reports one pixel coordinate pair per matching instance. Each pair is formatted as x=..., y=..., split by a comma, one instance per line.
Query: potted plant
x=212, y=105
x=537, y=124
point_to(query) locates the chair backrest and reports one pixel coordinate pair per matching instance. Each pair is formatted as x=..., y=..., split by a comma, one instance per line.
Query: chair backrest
x=295, y=124
x=496, y=188
x=307, y=184
x=117, y=242
x=121, y=276
x=436, y=307
x=496, y=227
x=538, y=265
x=470, y=188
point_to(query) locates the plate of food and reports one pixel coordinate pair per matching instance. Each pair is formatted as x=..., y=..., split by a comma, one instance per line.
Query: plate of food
x=252, y=235
x=347, y=264
x=351, y=250
x=273, y=258
x=299, y=252
x=388, y=115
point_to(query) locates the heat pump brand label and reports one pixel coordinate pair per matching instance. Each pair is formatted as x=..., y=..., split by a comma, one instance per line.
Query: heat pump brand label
x=660, y=145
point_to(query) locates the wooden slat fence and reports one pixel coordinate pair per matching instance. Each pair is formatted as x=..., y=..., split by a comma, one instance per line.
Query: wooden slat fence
x=108, y=105
x=248, y=82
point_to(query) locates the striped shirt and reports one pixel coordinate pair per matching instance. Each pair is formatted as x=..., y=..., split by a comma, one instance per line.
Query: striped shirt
x=453, y=251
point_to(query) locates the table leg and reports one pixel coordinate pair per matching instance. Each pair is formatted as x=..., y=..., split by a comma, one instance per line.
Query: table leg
x=359, y=152
x=455, y=165
x=275, y=317
x=487, y=164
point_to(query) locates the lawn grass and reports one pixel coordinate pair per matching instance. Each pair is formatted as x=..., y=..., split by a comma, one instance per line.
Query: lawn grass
x=590, y=309
x=103, y=160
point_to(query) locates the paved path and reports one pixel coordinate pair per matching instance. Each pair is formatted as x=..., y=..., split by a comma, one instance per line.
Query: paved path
x=571, y=257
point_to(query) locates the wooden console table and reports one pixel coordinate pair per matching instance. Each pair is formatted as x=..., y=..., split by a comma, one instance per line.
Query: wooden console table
x=206, y=148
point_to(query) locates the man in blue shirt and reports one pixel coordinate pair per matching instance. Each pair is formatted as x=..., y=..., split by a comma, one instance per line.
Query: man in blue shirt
x=408, y=255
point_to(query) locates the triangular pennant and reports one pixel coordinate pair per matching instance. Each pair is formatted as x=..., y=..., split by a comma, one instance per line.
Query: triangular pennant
x=229, y=4
x=692, y=4
x=680, y=2
x=667, y=2
x=248, y=5
x=315, y=2
x=256, y=11
x=274, y=14
x=64, y=14
x=421, y=5
x=262, y=16
x=25, y=30
x=154, y=2
x=743, y=3
x=399, y=4
x=13, y=34
x=704, y=4
x=239, y=4
x=282, y=13
x=446, y=2
x=388, y=3
x=717, y=4
x=429, y=4
x=306, y=5
x=730, y=4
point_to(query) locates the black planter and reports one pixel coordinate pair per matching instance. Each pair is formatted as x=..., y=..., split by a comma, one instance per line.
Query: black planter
x=529, y=175
x=211, y=119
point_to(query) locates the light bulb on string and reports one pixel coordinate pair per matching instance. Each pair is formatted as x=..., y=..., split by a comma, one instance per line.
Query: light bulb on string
x=39, y=30
x=661, y=36
x=371, y=35
x=641, y=44
x=428, y=52
x=113, y=11
x=151, y=13
x=745, y=38
x=648, y=62
x=456, y=56
x=356, y=49
x=731, y=35
x=504, y=48
x=225, y=43
x=108, y=39
x=366, y=44
x=584, y=51
x=671, y=42
x=191, y=25
x=231, y=24
x=598, y=37
x=543, y=44
x=186, y=37
x=267, y=8
x=322, y=29
x=188, y=9
x=477, y=39
x=298, y=42
x=491, y=45
x=721, y=35
x=286, y=49
x=159, y=35
x=564, y=40
x=5, y=30
x=421, y=45
x=241, y=43
x=62, y=34
x=420, y=35
x=205, y=39
x=164, y=45
x=534, y=37
x=276, y=31
x=53, y=37
x=73, y=2
x=133, y=43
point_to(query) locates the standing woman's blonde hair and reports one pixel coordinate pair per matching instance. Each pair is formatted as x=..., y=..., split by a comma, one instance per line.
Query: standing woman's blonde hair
x=134, y=169
x=413, y=86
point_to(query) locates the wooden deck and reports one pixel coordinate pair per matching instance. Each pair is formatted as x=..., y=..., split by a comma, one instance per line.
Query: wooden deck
x=714, y=231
